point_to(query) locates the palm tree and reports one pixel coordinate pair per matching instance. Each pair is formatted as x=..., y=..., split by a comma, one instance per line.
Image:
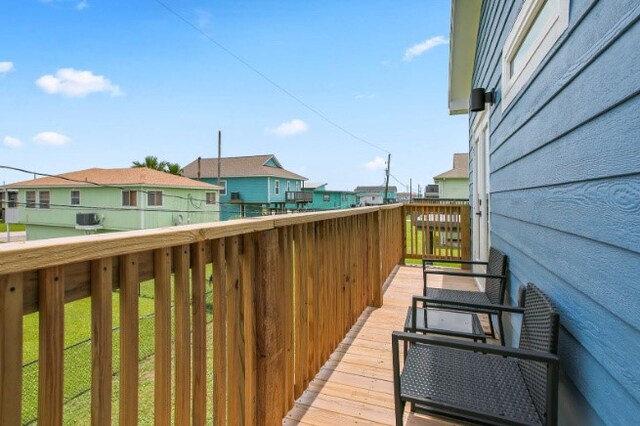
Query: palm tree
x=151, y=162
x=173, y=168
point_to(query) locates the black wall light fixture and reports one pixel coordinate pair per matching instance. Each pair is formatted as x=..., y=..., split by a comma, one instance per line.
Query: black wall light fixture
x=479, y=97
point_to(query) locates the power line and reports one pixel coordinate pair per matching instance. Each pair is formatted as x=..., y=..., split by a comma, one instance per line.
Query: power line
x=397, y=180
x=268, y=79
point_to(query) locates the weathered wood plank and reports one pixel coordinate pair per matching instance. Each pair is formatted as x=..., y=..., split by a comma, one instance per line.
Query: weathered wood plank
x=162, y=336
x=101, y=341
x=233, y=356
x=11, y=348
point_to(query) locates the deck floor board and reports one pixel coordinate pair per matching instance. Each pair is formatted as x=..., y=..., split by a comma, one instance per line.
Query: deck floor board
x=355, y=386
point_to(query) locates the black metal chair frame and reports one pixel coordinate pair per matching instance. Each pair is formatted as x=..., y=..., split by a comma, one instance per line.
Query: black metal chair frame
x=473, y=349
x=454, y=305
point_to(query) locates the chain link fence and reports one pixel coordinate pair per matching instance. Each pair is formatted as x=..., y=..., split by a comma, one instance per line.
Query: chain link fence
x=77, y=371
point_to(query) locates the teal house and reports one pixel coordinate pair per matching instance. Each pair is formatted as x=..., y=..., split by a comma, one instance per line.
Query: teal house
x=374, y=195
x=325, y=199
x=253, y=185
x=107, y=200
x=552, y=93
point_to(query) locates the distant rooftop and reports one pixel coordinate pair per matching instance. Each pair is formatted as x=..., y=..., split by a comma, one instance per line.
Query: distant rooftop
x=116, y=177
x=252, y=165
x=460, y=168
x=314, y=185
x=375, y=189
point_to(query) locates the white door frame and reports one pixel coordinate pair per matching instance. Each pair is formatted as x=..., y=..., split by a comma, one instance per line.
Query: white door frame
x=480, y=160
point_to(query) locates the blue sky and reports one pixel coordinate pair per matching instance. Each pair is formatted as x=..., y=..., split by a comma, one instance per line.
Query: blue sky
x=97, y=83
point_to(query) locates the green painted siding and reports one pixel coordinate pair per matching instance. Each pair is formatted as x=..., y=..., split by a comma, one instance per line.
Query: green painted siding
x=60, y=218
x=453, y=188
x=331, y=200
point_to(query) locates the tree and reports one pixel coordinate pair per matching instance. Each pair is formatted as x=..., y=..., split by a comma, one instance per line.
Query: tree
x=152, y=162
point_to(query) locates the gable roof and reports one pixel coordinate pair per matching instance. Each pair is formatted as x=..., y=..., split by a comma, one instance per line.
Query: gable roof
x=460, y=168
x=375, y=188
x=314, y=185
x=116, y=177
x=252, y=165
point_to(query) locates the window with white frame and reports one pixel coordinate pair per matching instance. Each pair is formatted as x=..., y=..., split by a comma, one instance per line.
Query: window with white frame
x=223, y=184
x=154, y=198
x=129, y=198
x=298, y=186
x=537, y=27
x=44, y=199
x=75, y=198
x=30, y=199
x=326, y=198
x=288, y=186
x=210, y=197
x=276, y=187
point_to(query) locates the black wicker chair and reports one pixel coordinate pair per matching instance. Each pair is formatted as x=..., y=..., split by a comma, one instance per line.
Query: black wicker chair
x=464, y=300
x=484, y=383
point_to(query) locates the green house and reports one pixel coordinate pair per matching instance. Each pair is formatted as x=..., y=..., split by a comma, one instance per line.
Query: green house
x=325, y=199
x=251, y=185
x=107, y=200
x=454, y=183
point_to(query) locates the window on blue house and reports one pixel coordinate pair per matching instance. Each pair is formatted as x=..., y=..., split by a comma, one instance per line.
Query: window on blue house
x=223, y=184
x=326, y=198
x=539, y=24
x=276, y=187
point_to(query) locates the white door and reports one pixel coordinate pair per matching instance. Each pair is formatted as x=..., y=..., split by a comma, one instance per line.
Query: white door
x=480, y=156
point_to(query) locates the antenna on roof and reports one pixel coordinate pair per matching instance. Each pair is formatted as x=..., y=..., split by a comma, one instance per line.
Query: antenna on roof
x=219, y=153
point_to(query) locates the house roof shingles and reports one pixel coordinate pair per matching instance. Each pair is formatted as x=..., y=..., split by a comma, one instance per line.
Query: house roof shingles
x=253, y=165
x=460, y=168
x=375, y=189
x=115, y=177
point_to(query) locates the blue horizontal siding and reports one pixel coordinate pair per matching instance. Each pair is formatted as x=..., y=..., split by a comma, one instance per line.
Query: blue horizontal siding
x=565, y=193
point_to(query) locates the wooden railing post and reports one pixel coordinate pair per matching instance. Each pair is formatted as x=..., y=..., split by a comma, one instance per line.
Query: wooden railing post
x=198, y=311
x=375, y=231
x=101, y=341
x=182, y=340
x=270, y=342
x=162, y=324
x=219, y=332
x=51, y=306
x=129, y=326
x=247, y=278
x=11, y=291
x=234, y=383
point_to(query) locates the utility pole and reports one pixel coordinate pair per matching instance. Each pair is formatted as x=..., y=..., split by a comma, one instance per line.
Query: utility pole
x=219, y=153
x=410, y=190
x=386, y=186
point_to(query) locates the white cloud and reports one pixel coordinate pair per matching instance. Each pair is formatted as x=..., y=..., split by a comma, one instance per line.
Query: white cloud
x=377, y=163
x=76, y=83
x=289, y=128
x=51, y=138
x=11, y=142
x=420, y=48
x=82, y=5
x=5, y=67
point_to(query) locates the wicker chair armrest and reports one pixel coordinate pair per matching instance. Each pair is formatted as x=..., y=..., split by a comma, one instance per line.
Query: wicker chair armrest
x=464, y=274
x=478, y=307
x=545, y=357
x=463, y=262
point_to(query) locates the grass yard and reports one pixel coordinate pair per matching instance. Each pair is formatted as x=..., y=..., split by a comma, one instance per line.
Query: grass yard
x=77, y=356
x=12, y=227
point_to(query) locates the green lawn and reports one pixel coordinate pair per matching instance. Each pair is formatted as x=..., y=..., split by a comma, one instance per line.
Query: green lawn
x=77, y=356
x=12, y=227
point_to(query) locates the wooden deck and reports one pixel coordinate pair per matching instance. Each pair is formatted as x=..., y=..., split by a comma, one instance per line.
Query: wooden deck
x=356, y=385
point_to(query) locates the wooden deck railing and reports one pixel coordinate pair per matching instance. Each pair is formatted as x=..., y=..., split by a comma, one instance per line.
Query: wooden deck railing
x=285, y=292
x=437, y=230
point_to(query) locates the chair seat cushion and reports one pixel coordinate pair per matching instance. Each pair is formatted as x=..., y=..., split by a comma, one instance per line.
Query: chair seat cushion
x=474, y=297
x=442, y=377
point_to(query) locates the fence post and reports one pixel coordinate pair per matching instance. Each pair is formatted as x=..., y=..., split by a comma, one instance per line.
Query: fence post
x=11, y=349
x=376, y=260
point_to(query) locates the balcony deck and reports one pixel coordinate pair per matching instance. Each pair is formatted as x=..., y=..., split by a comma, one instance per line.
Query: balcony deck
x=356, y=385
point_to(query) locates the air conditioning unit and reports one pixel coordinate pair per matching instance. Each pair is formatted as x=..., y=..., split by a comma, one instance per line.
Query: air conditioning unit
x=87, y=219
x=235, y=195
